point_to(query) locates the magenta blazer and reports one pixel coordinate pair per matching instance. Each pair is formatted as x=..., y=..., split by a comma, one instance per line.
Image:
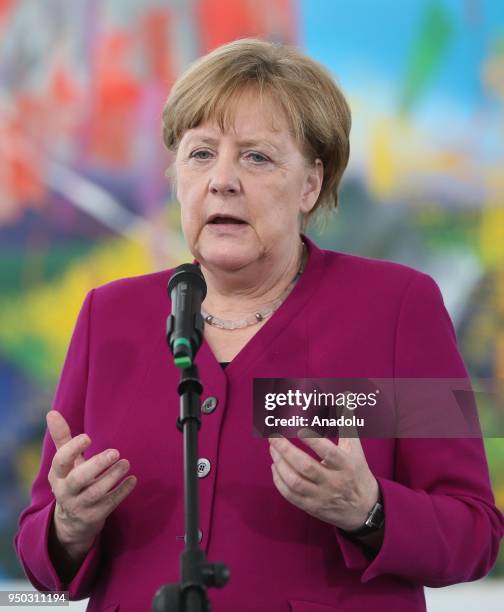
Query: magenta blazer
x=347, y=316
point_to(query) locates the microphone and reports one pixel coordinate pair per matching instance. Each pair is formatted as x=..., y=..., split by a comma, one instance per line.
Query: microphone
x=184, y=327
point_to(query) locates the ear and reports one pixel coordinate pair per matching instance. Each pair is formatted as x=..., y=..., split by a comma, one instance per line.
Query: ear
x=312, y=185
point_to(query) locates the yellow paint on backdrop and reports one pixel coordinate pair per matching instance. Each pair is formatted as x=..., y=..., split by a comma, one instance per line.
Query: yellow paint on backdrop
x=491, y=235
x=44, y=317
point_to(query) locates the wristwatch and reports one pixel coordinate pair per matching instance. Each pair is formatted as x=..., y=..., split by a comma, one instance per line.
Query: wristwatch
x=374, y=521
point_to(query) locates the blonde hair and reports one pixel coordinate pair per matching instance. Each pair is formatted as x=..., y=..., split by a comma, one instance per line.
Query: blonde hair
x=315, y=107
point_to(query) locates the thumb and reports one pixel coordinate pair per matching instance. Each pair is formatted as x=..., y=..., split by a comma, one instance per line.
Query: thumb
x=59, y=431
x=58, y=428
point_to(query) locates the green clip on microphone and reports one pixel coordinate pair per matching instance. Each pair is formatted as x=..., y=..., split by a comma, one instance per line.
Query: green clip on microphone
x=184, y=327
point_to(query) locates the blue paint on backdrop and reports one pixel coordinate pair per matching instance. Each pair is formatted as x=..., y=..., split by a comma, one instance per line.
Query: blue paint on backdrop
x=371, y=39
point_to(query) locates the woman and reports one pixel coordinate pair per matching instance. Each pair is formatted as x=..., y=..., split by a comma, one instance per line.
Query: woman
x=260, y=138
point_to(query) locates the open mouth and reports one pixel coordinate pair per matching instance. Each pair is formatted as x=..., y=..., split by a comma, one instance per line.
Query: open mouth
x=224, y=220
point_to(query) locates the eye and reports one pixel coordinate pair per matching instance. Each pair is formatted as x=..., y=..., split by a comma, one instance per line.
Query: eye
x=201, y=154
x=257, y=158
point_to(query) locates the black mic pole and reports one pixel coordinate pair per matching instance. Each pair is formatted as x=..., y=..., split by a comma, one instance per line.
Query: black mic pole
x=184, y=334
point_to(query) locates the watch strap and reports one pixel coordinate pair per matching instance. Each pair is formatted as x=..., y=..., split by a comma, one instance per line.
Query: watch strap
x=375, y=521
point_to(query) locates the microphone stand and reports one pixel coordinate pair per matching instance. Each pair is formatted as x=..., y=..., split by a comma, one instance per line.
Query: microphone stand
x=190, y=594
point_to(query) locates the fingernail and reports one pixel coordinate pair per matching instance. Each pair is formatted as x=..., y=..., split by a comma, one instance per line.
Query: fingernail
x=112, y=455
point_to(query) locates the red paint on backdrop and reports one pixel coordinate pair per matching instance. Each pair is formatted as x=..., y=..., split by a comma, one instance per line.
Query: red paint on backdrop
x=64, y=88
x=25, y=135
x=5, y=8
x=117, y=93
x=221, y=21
x=22, y=166
x=154, y=34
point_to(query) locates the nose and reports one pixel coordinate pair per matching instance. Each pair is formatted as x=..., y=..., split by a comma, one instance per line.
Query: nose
x=224, y=178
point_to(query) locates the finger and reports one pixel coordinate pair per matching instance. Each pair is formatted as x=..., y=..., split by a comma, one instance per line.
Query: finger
x=79, y=459
x=94, y=493
x=332, y=456
x=301, y=502
x=280, y=484
x=300, y=461
x=58, y=428
x=116, y=496
x=349, y=436
x=85, y=474
x=296, y=483
x=63, y=460
x=348, y=429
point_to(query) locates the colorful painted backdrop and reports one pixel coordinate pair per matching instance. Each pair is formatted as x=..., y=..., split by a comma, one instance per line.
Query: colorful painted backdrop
x=84, y=199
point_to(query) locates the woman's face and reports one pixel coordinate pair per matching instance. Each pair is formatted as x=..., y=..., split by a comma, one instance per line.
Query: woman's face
x=242, y=191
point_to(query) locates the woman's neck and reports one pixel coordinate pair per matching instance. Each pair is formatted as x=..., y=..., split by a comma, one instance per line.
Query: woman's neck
x=232, y=295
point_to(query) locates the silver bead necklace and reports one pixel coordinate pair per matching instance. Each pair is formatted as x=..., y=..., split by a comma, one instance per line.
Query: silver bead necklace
x=263, y=312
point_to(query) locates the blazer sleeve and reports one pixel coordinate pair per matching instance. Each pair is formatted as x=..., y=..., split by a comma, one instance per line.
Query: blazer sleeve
x=31, y=539
x=441, y=522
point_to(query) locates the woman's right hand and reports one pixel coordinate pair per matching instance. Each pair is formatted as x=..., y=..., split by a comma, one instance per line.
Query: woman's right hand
x=83, y=488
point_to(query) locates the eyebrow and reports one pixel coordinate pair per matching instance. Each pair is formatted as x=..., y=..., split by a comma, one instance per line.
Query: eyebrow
x=242, y=143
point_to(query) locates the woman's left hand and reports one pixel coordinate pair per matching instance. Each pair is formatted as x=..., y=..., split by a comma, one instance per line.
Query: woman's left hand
x=340, y=489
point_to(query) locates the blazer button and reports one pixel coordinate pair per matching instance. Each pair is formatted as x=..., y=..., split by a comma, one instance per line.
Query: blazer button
x=203, y=467
x=209, y=405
